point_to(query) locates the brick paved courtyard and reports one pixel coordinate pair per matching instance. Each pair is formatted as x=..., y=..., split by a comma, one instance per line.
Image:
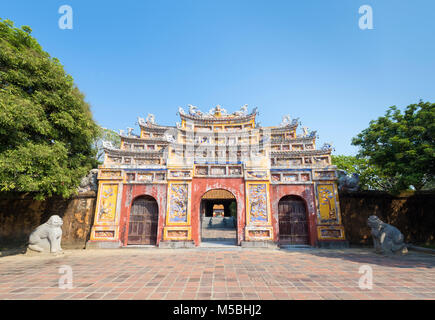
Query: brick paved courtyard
x=218, y=274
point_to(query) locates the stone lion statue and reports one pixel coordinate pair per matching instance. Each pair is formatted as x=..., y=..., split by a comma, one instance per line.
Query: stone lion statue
x=47, y=237
x=387, y=239
x=346, y=183
x=89, y=183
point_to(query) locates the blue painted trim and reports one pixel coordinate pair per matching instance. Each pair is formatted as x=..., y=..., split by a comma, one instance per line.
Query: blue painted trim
x=219, y=162
x=144, y=169
x=290, y=170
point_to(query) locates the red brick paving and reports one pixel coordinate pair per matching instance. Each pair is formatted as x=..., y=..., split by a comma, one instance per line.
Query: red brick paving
x=218, y=274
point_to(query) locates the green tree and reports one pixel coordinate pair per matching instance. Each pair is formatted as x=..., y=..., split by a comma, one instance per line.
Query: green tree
x=370, y=176
x=402, y=145
x=46, y=127
x=105, y=135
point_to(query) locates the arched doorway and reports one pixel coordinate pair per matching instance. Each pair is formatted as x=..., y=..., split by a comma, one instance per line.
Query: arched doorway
x=218, y=212
x=293, y=221
x=142, y=228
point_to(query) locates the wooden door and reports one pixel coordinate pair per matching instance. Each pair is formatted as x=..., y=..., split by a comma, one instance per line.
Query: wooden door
x=143, y=221
x=293, y=224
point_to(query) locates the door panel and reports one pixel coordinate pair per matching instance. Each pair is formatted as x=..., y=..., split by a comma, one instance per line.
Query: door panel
x=143, y=221
x=293, y=224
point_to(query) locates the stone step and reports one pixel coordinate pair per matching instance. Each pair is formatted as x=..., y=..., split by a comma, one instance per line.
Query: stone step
x=218, y=223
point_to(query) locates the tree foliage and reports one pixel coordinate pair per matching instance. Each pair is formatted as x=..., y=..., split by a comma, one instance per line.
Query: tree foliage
x=105, y=135
x=402, y=145
x=370, y=176
x=46, y=127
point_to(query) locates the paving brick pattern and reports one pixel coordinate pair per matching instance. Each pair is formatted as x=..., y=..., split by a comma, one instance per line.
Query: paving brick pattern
x=218, y=274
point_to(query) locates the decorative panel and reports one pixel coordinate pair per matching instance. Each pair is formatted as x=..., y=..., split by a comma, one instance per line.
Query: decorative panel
x=330, y=233
x=259, y=233
x=160, y=176
x=276, y=177
x=327, y=203
x=145, y=177
x=107, y=204
x=178, y=204
x=217, y=171
x=201, y=171
x=328, y=175
x=305, y=177
x=110, y=174
x=235, y=171
x=256, y=174
x=257, y=203
x=177, y=233
x=179, y=174
x=104, y=234
x=290, y=177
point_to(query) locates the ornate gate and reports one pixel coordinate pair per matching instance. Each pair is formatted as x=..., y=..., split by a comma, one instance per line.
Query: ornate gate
x=293, y=223
x=142, y=227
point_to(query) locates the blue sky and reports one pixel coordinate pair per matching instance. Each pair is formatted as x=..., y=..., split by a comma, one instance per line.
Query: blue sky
x=306, y=58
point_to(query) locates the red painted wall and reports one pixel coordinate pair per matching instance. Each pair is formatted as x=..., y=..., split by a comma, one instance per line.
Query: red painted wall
x=304, y=191
x=132, y=191
x=200, y=186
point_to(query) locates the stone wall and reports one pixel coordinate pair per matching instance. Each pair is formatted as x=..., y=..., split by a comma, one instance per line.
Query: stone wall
x=412, y=213
x=21, y=214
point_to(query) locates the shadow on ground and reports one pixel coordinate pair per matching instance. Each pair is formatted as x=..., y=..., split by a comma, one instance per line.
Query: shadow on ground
x=12, y=250
x=367, y=256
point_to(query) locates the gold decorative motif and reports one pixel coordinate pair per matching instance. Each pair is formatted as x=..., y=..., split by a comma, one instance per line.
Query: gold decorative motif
x=327, y=203
x=107, y=206
x=259, y=233
x=178, y=199
x=258, y=203
x=145, y=177
x=180, y=174
x=110, y=174
x=256, y=174
x=201, y=171
x=104, y=234
x=324, y=175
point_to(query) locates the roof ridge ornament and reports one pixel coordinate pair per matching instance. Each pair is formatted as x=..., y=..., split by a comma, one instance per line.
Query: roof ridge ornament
x=181, y=111
x=286, y=121
x=327, y=146
x=312, y=134
x=151, y=119
x=242, y=112
x=216, y=112
x=141, y=121
x=194, y=111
